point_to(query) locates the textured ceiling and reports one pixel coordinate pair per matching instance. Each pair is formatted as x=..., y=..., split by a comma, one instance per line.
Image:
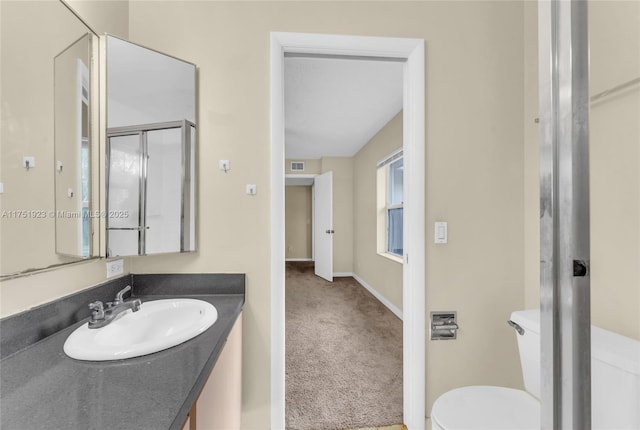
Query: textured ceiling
x=334, y=106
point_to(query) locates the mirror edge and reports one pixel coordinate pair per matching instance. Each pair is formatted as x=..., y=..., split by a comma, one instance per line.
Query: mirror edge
x=97, y=106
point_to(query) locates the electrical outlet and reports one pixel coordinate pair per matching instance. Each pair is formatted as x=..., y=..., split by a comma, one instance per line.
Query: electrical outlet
x=115, y=268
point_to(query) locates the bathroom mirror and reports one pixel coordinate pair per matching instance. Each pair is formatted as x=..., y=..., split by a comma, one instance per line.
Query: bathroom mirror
x=151, y=142
x=47, y=96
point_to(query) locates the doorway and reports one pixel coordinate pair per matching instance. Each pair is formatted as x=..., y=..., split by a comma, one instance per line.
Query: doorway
x=312, y=205
x=411, y=51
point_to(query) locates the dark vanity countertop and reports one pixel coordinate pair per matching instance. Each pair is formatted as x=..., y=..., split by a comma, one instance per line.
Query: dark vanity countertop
x=42, y=388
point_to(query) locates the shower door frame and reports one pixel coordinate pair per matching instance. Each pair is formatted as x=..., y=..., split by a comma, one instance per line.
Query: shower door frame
x=565, y=320
x=186, y=171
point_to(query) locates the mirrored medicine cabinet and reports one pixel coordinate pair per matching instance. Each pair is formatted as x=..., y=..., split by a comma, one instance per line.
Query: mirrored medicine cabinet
x=54, y=207
x=151, y=142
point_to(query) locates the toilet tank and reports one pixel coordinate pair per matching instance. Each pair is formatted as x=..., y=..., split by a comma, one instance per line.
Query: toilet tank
x=615, y=380
x=529, y=348
x=615, y=372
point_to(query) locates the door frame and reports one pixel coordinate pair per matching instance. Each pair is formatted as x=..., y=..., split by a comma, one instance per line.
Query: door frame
x=414, y=330
x=311, y=177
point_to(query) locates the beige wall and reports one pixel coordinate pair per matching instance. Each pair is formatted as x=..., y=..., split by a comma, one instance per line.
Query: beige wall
x=297, y=242
x=614, y=167
x=104, y=16
x=474, y=96
x=531, y=159
x=381, y=273
x=342, y=168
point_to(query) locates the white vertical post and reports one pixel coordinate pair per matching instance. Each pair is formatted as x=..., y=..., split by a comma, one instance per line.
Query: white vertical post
x=564, y=215
x=413, y=301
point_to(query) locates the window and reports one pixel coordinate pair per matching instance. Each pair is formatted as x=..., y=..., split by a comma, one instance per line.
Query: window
x=390, y=205
x=394, y=208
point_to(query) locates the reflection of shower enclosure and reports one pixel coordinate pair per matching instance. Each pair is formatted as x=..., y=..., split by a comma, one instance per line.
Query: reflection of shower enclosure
x=150, y=188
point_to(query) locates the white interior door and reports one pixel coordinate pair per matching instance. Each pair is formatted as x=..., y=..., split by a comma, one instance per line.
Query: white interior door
x=323, y=225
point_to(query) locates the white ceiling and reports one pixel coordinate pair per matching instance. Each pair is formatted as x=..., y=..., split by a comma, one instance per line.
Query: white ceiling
x=334, y=106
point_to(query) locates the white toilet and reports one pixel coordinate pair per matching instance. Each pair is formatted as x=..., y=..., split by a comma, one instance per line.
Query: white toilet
x=615, y=381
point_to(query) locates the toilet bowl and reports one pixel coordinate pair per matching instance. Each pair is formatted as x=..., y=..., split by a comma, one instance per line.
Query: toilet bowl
x=486, y=408
x=615, y=380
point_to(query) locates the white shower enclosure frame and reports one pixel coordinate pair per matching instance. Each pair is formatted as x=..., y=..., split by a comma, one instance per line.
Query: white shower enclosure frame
x=565, y=320
x=141, y=184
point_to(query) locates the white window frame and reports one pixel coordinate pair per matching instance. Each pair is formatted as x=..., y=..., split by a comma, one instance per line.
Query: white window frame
x=383, y=196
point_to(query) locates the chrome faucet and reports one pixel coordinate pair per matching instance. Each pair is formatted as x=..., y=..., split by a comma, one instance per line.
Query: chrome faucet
x=101, y=317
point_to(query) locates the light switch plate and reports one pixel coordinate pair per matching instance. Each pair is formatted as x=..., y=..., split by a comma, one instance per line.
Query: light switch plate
x=252, y=189
x=441, y=232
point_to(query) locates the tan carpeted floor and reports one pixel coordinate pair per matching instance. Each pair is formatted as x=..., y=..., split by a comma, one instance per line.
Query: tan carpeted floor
x=343, y=355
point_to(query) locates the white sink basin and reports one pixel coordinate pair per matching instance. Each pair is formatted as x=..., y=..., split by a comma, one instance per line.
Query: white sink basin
x=158, y=325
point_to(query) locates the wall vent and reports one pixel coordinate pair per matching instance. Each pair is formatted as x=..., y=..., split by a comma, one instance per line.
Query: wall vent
x=297, y=166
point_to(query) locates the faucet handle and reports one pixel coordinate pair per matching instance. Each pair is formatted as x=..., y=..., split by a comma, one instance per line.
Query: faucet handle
x=97, y=310
x=135, y=305
x=119, y=297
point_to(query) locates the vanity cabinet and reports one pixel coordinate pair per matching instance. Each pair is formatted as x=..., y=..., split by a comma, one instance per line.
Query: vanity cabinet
x=220, y=402
x=187, y=423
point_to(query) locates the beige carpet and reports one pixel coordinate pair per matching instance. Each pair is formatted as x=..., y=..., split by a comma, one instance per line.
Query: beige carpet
x=343, y=355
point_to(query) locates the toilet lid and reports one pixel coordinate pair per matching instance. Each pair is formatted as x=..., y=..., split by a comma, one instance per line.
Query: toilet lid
x=486, y=408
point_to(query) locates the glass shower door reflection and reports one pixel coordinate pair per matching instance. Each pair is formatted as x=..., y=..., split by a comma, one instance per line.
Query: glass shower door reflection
x=164, y=191
x=151, y=189
x=124, y=179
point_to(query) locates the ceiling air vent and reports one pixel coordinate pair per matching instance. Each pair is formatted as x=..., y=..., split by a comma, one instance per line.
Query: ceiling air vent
x=297, y=166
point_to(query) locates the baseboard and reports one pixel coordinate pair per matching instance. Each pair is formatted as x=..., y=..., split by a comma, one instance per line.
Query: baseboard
x=298, y=259
x=393, y=308
x=342, y=274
